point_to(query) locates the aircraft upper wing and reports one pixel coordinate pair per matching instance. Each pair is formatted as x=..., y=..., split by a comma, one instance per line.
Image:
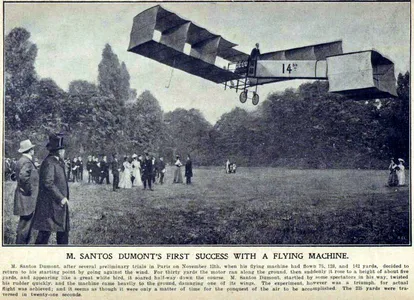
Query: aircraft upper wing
x=312, y=52
x=176, y=32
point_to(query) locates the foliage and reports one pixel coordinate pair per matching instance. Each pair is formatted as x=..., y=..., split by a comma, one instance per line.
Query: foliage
x=144, y=128
x=187, y=133
x=20, y=84
x=237, y=138
x=110, y=77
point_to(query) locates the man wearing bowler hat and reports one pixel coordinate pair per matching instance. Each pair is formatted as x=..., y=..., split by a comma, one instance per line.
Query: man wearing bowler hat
x=26, y=192
x=52, y=211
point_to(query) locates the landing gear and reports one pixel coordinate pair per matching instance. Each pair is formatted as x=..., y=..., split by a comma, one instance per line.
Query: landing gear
x=243, y=96
x=255, y=99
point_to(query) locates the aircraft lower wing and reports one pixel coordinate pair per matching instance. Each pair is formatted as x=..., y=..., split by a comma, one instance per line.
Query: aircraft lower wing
x=184, y=62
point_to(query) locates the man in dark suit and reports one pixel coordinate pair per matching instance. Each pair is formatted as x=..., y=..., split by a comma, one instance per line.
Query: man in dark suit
x=154, y=169
x=147, y=171
x=188, y=169
x=96, y=170
x=26, y=192
x=254, y=55
x=115, y=172
x=255, y=52
x=52, y=209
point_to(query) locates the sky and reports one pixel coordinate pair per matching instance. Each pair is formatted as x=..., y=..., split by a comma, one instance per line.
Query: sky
x=71, y=37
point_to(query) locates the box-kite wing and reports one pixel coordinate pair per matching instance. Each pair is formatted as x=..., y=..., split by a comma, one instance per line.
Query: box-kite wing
x=362, y=75
x=176, y=32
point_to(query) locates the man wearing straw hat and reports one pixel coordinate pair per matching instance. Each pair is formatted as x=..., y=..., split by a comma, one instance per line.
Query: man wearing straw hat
x=52, y=211
x=26, y=191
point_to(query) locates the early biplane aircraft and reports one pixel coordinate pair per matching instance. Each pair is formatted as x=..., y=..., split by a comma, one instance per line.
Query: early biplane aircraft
x=169, y=39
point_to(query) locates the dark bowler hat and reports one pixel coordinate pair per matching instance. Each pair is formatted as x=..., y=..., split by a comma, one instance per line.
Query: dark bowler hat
x=55, y=142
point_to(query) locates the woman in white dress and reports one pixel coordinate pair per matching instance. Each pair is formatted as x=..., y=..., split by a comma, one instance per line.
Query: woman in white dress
x=401, y=172
x=178, y=177
x=136, y=171
x=125, y=176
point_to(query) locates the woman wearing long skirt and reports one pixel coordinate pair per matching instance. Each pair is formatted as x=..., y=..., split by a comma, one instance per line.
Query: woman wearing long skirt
x=401, y=172
x=136, y=171
x=178, y=177
x=393, y=178
x=125, y=176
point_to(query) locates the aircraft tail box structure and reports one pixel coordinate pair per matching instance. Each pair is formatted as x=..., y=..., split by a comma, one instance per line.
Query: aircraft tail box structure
x=176, y=34
x=307, y=62
x=362, y=75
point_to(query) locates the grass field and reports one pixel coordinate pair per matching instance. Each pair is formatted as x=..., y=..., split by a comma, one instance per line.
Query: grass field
x=254, y=206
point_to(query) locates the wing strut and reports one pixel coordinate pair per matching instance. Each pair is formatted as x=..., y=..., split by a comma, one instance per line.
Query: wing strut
x=171, y=76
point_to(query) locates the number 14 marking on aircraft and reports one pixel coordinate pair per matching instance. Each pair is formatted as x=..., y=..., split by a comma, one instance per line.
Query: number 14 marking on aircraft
x=289, y=68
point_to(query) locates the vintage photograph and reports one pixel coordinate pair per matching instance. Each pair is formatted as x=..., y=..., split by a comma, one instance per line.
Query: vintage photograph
x=206, y=124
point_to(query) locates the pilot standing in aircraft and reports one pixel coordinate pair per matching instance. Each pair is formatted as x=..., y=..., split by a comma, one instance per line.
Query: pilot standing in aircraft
x=255, y=52
x=251, y=70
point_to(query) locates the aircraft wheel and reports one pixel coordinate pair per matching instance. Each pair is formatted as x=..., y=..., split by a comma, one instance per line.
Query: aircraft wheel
x=255, y=99
x=243, y=97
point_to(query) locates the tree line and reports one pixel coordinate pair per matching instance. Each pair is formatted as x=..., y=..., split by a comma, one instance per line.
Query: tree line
x=299, y=128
